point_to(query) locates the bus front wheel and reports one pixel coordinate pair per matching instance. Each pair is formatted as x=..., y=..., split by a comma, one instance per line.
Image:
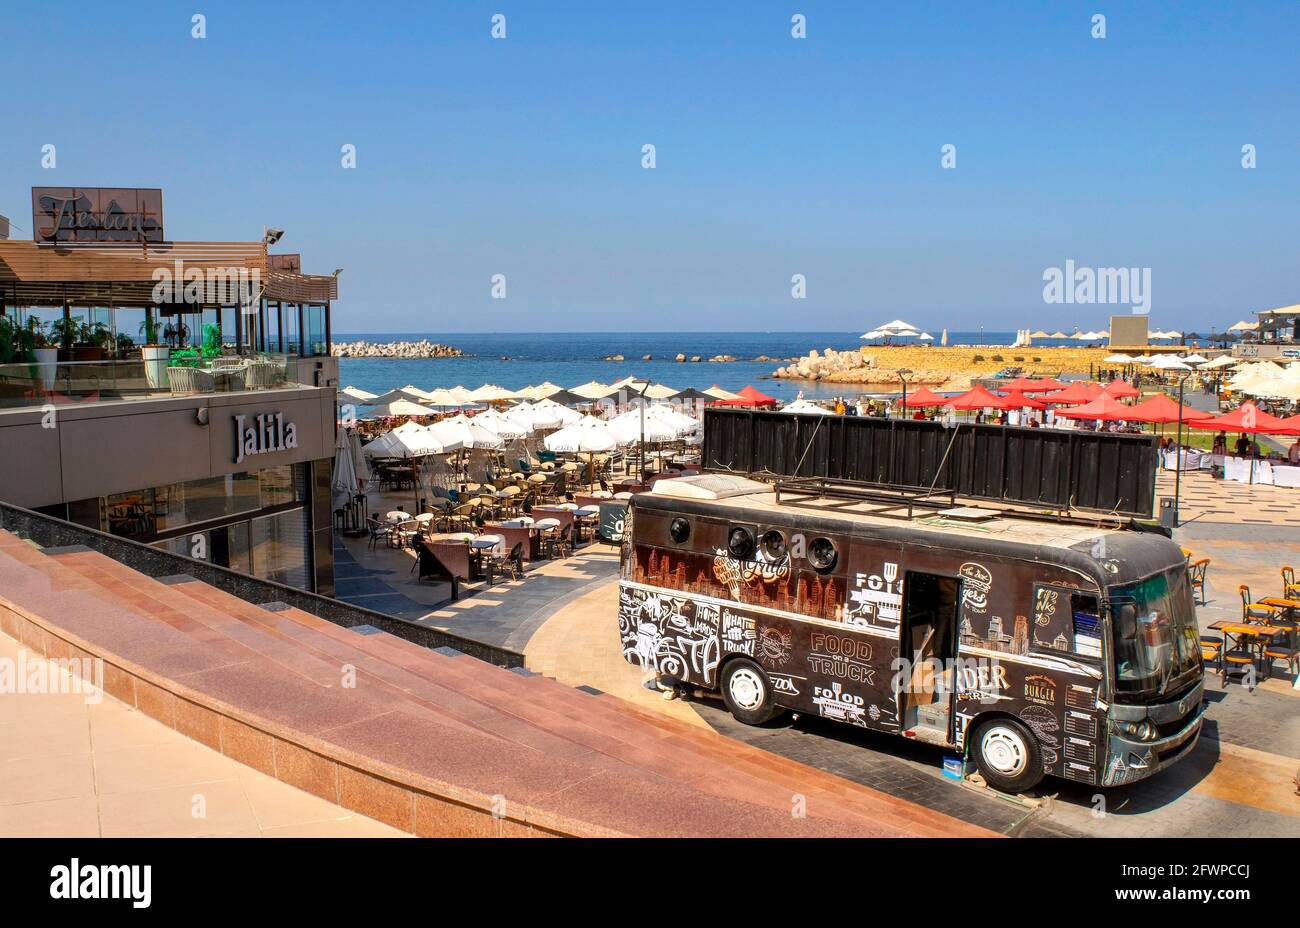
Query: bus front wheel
x=1007, y=755
x=747, y=692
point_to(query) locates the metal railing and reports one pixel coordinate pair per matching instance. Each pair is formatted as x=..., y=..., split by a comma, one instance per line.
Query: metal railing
x=47, y=380
x=50, y=532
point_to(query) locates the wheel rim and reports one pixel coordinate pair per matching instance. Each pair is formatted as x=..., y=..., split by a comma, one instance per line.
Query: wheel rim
x=746, y=688
x=1004, y=751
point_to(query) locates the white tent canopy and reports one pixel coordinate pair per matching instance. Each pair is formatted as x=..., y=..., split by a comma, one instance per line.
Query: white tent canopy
x=806, y=408
x=408, y=440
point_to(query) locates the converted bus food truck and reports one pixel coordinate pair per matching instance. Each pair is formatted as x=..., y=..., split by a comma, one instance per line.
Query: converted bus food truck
x=1033, y=646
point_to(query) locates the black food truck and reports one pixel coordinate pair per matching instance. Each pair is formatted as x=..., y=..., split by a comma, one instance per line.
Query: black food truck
x=1031, y=646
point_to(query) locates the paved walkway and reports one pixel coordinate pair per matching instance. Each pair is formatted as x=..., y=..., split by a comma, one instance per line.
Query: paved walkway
x=77, y=764
x=1201, y=498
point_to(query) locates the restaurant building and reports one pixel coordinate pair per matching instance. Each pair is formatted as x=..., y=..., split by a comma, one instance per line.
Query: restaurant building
x=181, y=394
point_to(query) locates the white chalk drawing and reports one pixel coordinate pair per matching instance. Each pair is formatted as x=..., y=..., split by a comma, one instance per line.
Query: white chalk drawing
x=841, y=656
x=976, y=582
x=671, y=635
x=876, y=600
x=775, y=645
x=786, y=684
x=739, y=632
x=734, y=574
x=1045, y=606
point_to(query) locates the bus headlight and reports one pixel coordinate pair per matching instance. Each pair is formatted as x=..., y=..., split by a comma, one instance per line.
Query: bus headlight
x=1138, y=731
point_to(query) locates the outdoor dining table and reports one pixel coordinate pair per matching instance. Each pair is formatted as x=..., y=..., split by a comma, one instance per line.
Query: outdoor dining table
x=1259, y=635
x=514, y=533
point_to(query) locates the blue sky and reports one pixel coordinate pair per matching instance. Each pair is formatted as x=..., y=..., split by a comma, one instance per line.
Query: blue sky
x=775, y=156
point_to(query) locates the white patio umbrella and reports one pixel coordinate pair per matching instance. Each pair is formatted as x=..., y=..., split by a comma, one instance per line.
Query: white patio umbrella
x=926, y=337
x=565, y=415
x=1194, y=359
x=479, y=437
x=1117, y=359
x=408, y=440
x=502, y=424
x=898, y=326
x=587, y=435
x=445, y=398
x=874, y=333
x=1170, y=363
x=491, y=393
x=593, y=390
x=1244, y=326
x=399, y=407
x=402, y=393
x=1222, y=361
x=628, y=431
x=355, y=395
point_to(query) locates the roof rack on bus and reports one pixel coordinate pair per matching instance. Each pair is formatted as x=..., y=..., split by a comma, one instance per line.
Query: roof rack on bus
x=907, y=502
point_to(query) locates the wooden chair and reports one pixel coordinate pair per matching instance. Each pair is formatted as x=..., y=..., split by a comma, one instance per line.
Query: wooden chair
x=1235, y=661
x=1196, y=574
x=1279, y=652
x=513, y=563
x=1252, y=611
x=1290, y=588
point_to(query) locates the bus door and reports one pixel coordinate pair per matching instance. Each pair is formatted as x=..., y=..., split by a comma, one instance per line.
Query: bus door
x=928, y=647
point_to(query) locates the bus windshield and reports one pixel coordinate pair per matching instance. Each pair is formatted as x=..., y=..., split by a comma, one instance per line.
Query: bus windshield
x=1155, y=632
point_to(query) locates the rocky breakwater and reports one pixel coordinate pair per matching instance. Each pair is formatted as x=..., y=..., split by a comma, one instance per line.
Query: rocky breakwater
x=402, y=350
x=854, y=367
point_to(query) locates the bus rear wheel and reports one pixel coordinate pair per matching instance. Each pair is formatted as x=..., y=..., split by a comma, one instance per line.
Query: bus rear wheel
x=1007, y=755
x=747, y=692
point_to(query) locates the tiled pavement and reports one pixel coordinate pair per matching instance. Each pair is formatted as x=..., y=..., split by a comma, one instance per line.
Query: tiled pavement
x=86, y=765
x=1201, y=498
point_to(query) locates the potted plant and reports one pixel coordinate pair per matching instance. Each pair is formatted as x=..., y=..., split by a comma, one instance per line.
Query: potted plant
x=44, y=352
x=65, y=333
x=155, y=354
x=92, y=342
x=123, y=345
x=211, y=342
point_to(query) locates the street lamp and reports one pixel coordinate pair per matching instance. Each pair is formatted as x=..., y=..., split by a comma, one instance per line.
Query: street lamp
x=902, y=375
x=1178, y=446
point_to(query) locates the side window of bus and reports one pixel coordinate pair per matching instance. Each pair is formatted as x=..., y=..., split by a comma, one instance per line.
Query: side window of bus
x=1066, y=622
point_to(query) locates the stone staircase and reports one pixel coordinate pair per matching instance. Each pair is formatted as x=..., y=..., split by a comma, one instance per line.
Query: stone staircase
x=431, y=742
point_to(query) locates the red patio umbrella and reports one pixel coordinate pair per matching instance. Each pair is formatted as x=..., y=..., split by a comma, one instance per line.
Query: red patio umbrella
x=1042, y=386
x=1160, y=408
x=1246, y=418
x=1020, y=383
x=1120, y=388
x=924, y=396
x=1081, y=391
x=748, y=396
x=1105, y=407
x=1016, y=400
x=974, y=398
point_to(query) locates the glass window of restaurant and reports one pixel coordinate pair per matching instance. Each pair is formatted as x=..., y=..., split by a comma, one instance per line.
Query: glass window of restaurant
x=315, y=339
x=259, y=523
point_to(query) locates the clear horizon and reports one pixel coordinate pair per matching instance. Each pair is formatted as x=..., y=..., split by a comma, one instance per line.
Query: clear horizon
x=774, y=156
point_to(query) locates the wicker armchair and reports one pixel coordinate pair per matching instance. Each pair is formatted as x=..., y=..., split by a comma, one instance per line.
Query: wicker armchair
x=186, y=381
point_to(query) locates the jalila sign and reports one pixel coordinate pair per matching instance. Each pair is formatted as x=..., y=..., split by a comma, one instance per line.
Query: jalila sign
x=268, y=433
x=97, y=214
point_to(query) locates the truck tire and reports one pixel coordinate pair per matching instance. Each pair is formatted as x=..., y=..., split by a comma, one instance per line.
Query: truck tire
x=1007, y=755
x=747, y=692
